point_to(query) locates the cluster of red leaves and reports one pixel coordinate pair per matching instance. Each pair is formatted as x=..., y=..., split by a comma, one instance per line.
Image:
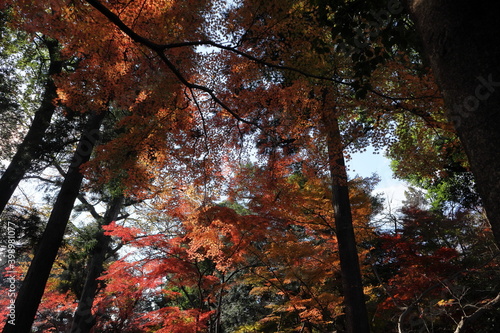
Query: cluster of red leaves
x=130, y=286
x=415, y=271
x=54, y=307
x=284, y=249
x=217, y=235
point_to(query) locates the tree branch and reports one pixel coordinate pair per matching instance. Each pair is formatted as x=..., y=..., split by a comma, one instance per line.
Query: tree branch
x=80, y=196
x=465, y=321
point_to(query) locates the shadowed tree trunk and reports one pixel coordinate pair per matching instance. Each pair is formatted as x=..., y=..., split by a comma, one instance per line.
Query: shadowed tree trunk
x=354, y=298
x=32, y=288
x=83, y=321
x=31, y=146
x=462, y=41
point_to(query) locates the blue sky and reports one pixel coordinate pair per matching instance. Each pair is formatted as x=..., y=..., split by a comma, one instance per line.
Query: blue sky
x=366, y=163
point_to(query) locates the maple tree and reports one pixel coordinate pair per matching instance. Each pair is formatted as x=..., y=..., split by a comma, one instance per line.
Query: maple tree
x=301, y=261
x=76, y=105
x=216, y=249
x=188, y=264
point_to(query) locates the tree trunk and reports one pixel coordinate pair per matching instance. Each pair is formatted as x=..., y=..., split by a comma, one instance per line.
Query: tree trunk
x=462, y=41
x=31, y=146
x=218, y=313
x=83, y=321
x=32, y=288
x=354, y=298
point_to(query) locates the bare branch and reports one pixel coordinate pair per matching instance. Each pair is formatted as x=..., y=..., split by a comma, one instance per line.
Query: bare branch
x=465, y=321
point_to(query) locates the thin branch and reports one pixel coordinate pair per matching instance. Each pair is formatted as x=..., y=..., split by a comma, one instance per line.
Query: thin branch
x=46, y=180
x=89, y=207
x=465, y=321
x=204, y=124
x=426, y=116
x=80, y=196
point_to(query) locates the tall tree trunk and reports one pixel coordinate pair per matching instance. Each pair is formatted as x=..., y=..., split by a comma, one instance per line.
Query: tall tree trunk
x=354, y=298
x=462, y=41
x=83, y=321
x=32, y=288
x=218, y=313
x=31, y=146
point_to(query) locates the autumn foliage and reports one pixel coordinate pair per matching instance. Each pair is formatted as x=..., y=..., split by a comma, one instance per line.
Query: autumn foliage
x=219, y=133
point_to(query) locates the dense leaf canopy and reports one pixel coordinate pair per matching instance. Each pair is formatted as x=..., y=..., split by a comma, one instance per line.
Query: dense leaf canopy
x=215, y=197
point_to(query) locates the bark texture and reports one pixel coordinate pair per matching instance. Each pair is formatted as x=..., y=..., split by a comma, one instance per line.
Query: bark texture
x=33, y=286
x=462, y=41
x=354, y=298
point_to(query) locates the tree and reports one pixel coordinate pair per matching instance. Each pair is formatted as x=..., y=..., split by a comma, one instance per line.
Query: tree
x=31, y=147
x=433, y=159
x=447, y=39
x=94, y=91
x=299, y=259
x=280, y=257
x=274, y=80
x=183, y=275
x=83, y=320
x=356, y=313
x=435, y=272
x=33, y=285
x=461, y=43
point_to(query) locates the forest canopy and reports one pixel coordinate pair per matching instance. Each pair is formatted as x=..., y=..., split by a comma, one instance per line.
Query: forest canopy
x=180, y=166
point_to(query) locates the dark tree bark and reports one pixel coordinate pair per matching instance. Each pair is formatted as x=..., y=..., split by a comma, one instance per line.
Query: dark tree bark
x=462, y=42
x=83, y=321
x=32, y=288
x=31, y=146
x=354, y=298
